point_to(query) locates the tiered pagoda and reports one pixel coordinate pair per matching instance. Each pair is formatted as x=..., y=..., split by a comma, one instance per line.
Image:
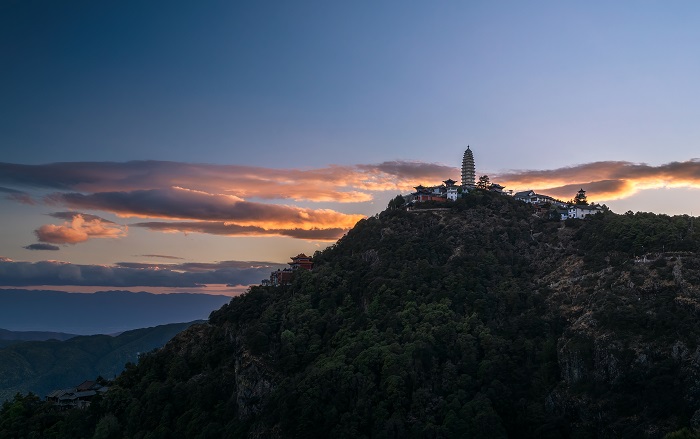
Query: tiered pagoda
x=468, y=170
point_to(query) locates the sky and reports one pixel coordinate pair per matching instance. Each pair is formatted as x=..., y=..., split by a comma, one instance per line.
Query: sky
x=182, y=146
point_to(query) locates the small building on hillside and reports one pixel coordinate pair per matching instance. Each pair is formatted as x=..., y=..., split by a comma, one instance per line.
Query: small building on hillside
x=283, y=277
x=448, y=191
x=280, y=277
x=301, y=261
x=429, y=193
x=561, y=213
x=495, y=187
x=531, y=197
x=525, y=196
x=77, y=397
x=581, y=211
x=451, y=189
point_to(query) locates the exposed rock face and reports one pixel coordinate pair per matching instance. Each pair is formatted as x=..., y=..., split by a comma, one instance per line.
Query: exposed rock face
x=252, y=380
x=622, y=331
x=253, y=384
x=574, y=360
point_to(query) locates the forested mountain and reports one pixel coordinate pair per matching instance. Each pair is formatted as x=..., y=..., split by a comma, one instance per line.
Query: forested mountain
x=481, y=320
x=41, y=366
x=8, y=338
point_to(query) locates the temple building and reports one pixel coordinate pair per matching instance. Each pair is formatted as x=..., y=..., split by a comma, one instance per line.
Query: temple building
x=301, y=261
x=451, y=190
x=446, y=191
x=468, y=172
x=283, y=277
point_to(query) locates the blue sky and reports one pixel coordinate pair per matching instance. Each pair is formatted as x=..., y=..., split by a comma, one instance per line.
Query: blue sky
x=241, y=83
x=280, y=87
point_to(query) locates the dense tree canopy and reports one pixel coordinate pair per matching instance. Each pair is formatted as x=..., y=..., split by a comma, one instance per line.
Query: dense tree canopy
x=480, y=321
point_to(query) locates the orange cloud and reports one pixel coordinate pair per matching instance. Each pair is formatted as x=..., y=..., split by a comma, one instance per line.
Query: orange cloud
x=79, y=229
x=605, y=180
x=176, y=203
x=229, y=229
x=228, y=200
x=345, y=184
x=234, y=200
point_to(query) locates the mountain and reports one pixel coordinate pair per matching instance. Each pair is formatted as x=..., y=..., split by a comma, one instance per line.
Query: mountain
x=8, y=338
x=478, y=319
x=103, y=312
x=41, y=366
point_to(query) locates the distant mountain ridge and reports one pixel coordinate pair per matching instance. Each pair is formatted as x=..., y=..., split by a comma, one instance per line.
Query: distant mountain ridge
x=8, y=338
x=41, y=366
x=102, y=312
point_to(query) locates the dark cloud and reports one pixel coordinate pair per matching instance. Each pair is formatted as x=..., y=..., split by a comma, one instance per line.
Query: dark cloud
x=42, y=247
x=70, y=216
x=599, y=188
x=139, y=275
x=200, y=267
x=9, y=191
x=227, y=229
x=78, y=175
x=188, y=204
x=16, y=195
x=350, y=183
x=605, y=180
x=414, y=171
x=162, y=256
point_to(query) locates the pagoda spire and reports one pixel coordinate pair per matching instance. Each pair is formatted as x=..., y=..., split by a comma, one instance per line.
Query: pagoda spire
x=468, y=173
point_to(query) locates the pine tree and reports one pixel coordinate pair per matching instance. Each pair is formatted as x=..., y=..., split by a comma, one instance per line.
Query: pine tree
x=484, y=182
x=580, y=197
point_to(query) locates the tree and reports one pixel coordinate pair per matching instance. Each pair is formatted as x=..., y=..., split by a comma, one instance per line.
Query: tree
x=580, y=197
x=483, y=182
x=107, y=428
x=397, y=203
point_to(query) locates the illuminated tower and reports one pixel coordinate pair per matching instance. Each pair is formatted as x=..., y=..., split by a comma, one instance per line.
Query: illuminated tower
x=468, y=174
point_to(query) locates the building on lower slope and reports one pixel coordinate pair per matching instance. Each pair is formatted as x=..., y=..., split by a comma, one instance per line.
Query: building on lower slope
x=531, y=197
x=77, y=397
x=440, y=193
x=546, y=205
x=581, y=211
x=284, y=276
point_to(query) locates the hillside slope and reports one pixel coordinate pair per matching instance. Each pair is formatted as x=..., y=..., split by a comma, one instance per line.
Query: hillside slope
x=41, y=366
x=478, y=321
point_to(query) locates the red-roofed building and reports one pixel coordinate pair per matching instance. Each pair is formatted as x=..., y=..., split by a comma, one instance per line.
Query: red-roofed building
x=301, y=261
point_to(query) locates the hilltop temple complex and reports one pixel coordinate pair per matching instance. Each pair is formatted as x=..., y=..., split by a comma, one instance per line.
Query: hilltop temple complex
x=449, y=191
x=542, y=204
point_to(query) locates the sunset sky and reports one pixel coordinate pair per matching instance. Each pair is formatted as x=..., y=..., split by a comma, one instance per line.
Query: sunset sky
x=164, y=146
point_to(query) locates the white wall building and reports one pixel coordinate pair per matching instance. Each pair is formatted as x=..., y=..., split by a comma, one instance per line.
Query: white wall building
x=580, y=211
